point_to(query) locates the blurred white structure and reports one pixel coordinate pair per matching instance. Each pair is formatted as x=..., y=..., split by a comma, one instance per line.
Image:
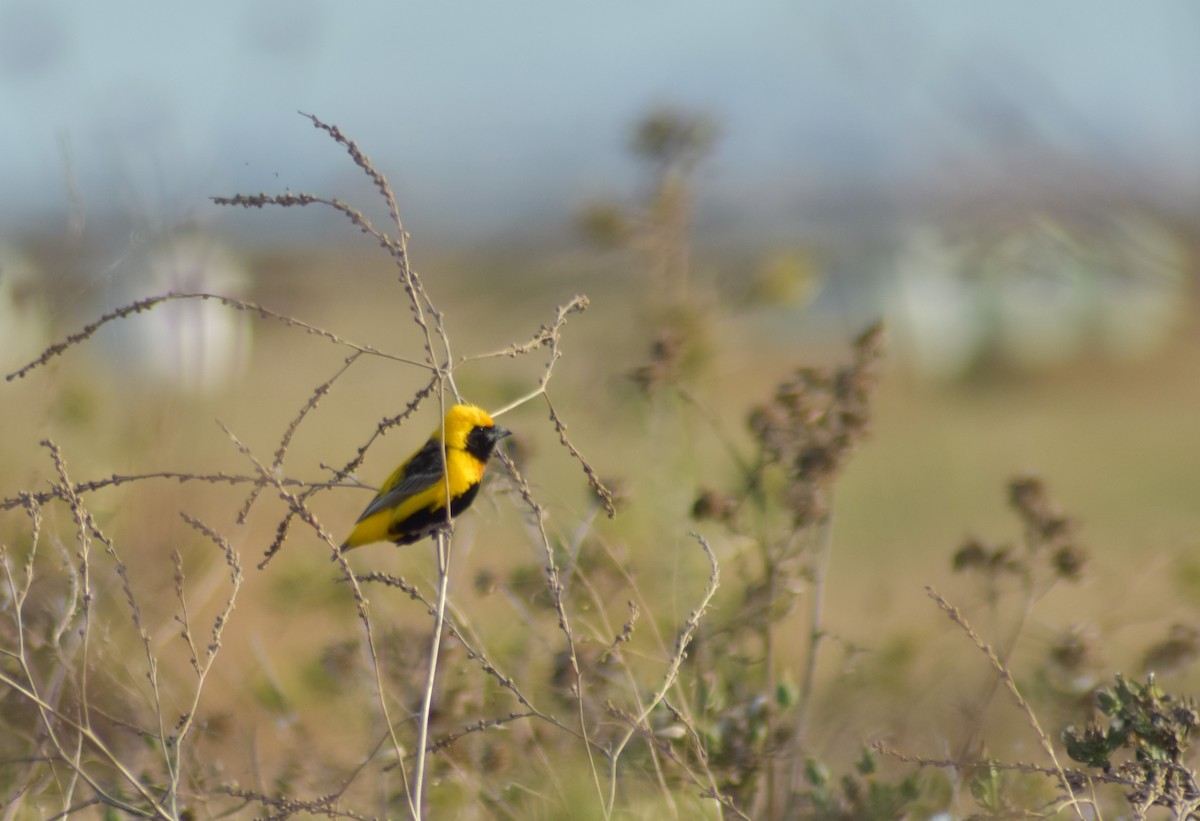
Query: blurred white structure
x=1034, y=292
x=1144, y=288
x=195, y=346
x=1041, y=285
x=936, y=314
x=24, y=324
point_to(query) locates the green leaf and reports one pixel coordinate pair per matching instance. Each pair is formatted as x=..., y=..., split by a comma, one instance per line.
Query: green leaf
x=816, y=772
x=866, y=764
x=985, y=787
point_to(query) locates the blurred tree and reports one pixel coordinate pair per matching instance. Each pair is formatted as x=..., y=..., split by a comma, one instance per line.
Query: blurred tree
x=671, y=142
x=657, y=231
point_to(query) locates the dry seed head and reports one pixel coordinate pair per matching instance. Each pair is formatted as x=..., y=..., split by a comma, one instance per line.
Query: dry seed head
x=1178, y=650
x=972, y=555
x=604, y=225
x=714, y=505
x=666, y=361
x=1028, y=497
x=485, y=582
x=975, y=554
x=1076, y=649
x=619, y=494
x=1069, y=562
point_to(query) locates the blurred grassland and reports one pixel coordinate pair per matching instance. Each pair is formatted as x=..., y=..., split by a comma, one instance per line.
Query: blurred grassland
x=1117, y=444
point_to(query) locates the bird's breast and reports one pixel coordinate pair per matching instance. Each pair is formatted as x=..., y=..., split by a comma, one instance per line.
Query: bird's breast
x=465, y=471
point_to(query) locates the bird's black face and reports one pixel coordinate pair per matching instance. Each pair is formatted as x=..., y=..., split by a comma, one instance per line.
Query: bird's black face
x=482, y=441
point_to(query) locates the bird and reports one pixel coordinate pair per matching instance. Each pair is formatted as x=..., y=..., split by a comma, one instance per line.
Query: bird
x=411, y=504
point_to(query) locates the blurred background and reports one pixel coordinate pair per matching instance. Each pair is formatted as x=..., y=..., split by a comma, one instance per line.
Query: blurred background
x=863, y=154
x=738, y=188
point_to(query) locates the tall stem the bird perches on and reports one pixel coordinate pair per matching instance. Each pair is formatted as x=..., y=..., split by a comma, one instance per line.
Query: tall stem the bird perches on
x=443, y=559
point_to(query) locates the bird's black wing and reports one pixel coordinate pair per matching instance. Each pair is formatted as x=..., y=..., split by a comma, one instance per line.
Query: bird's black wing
x=422, y=470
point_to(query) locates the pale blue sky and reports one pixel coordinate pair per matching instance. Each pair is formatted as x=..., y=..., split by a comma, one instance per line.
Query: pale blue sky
x=492, y=116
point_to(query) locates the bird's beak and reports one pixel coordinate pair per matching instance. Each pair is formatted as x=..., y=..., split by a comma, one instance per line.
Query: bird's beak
x=499, y=433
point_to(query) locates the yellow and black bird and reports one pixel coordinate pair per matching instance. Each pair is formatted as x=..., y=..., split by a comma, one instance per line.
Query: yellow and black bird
x=412, y=502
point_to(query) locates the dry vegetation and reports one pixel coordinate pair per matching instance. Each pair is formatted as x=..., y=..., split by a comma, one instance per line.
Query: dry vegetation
x=175, y=641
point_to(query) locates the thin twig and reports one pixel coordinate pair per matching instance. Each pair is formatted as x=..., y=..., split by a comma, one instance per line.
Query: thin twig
x=443, y=556
x=816, y=629
x=593, y=478
x=117, y=479
x=293, y=426
x=305, y=515
x=680, y=653
x=1006, y=676
x=554, y=583
x=148, y=303
x=473, y=651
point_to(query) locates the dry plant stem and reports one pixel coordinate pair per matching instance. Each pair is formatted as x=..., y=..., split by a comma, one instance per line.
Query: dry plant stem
x=83, y=539
x=363, y=162
x=824, y=533
x=443, y=558
x=1017, y=766
x=708, y=785
x=677, y=657
x=241, y=305
x=721, y=431
x=51, y=717
x=545, y=337
x=118, y=479
x=765, y=632
x=683, y=712
x=993, y=686
x=711, y=790
x=1007, y=678
x=172, y=744
x=554, y=582
x=286, y=440
x=473, y=651
x=585, y=527
x=613, y=649
x=1032, y=596
x=1080, y=776
x=287, y=807
x=479, y=726
x=593, y=479
x=298, y=508
x=202, y=666
x=551, y=336
x=443, y=561
x=135, y=613
x=397, y=247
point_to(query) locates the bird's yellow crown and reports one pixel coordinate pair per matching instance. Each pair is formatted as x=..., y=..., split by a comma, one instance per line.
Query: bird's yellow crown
x=459, y=422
